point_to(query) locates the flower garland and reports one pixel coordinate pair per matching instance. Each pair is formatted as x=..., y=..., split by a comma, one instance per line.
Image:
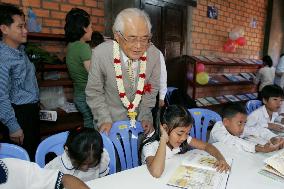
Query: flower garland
x=131, y=106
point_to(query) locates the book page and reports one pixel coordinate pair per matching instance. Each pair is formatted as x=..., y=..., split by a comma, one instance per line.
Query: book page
x=276, y=162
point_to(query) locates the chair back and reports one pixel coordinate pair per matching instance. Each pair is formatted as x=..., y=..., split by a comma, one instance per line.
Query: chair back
x=13, y=151
x=252, y=105
x=168, y=95
x=111, y=152
x=125, y=140
x=54, y=144
x=202, y=119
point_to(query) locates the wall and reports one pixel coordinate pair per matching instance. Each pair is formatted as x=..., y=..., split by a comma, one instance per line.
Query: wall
x=51, y=14
x=207, y=36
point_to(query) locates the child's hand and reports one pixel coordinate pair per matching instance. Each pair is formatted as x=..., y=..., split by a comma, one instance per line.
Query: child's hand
x=275, y=127
x=268, y=147
x=222, y=166
x=278, y=141
x=164, y=134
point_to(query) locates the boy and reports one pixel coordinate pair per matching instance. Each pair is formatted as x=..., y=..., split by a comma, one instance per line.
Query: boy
x=19, y=94
x=267, y=115
x=16, y=173
x=231, y=132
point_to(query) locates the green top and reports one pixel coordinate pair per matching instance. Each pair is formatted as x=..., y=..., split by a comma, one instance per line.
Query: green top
x=77, y=53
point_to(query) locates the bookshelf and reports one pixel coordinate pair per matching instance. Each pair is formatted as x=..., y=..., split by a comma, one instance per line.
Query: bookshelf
x=65, y=121
x=225, y=79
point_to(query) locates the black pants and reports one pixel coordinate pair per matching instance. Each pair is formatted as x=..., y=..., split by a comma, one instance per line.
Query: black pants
x=28, y=118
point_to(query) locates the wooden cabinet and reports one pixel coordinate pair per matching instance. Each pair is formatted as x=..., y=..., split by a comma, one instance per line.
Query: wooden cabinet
x=65, y=121
x=226, y=78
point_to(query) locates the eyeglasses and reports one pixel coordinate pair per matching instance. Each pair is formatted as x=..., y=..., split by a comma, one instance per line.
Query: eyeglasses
x=132, y=39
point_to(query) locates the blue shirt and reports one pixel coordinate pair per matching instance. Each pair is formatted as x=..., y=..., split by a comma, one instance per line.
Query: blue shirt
x=18, y=84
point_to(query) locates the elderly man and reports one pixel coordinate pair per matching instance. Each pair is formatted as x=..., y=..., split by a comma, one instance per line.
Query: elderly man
x=124, y=78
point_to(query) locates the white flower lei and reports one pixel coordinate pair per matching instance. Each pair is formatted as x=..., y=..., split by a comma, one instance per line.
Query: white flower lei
x=131, y=106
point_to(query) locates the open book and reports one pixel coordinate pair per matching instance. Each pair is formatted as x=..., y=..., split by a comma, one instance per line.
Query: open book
x=198, y=172
x=275, y=165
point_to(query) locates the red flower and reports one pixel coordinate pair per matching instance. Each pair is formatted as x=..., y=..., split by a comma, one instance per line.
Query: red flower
x=119, y=76
x=139, y=92
x=121, y=95
x=143, y=58
x=117, y=61
x=130, y=106
x=147, y=88
x=143, y=75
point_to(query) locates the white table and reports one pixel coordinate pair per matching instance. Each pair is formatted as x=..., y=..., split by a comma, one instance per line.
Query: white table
x=244, y=174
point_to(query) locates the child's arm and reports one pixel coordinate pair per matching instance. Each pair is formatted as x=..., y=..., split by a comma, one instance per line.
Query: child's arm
x=221, y=164
x=71, y=182
x=277, y=140
x=156, y=164
x=275, y=127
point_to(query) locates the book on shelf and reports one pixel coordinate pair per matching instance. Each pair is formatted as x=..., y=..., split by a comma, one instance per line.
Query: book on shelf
x=238, y=60
x=252, y=75
x=213, y=59
x=247, y=76
x=227, y=60
x=217, y=79
x=275, y=165
x=248, y=61
x=212, y=100
x=221, y=99
x=260, y=62
x=240, y=78
x=242, y=97
x=202, y=58
x=250, y=96
x=231, y=77
x=198, y=103
x=232, y=98
x=197, y=171
x=47, y=115
x=204, y=102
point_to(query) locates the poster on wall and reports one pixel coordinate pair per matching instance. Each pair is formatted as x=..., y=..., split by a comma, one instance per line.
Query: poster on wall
x=212, y=12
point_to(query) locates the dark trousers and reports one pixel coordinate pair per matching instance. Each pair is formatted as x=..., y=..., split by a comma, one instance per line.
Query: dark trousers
x=28, y=118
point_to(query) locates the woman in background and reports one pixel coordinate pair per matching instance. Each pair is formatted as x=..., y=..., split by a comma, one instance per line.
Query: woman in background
x=78, y=30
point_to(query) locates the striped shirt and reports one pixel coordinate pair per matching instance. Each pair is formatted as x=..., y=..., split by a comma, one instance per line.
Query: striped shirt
x=18, y=84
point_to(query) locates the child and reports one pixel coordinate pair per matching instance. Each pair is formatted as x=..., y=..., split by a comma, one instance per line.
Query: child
x=265, y=75
x=230, y=131
x=84, y=156
x=267, y=115
x=175, y=126
x=16, y=173
x=78, y=30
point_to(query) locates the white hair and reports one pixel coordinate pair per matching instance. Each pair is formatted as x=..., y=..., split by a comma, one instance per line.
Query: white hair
x=129, y=13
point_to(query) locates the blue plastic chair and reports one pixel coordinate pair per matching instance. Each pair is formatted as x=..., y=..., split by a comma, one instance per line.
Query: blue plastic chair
x=111, y=152
x=252, y=105
x=169, y=94
x=202, y=119
x=54, y=144
x=125, y=140
x=13, y=151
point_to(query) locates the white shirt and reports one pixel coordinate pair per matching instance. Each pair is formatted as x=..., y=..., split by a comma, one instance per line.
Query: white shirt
x=219, y=133
x=64, y=164
x=257, y=123
x=150, y=149
x=279, y=80
x=265, y=76
x=22, y=174
x=163, y=76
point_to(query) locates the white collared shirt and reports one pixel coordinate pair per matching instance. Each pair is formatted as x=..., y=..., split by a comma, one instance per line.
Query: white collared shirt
x=219, y=133
x=20, y=174
x=257, y=123
x=64, y=164
x=163, y=76
x=150, y=149
x=265, y=76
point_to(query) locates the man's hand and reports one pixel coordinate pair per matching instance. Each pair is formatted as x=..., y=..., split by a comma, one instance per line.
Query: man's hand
x=161, y=103
x=147, y=126
x=17, y=137
x=105, y=127
x=277, y=141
